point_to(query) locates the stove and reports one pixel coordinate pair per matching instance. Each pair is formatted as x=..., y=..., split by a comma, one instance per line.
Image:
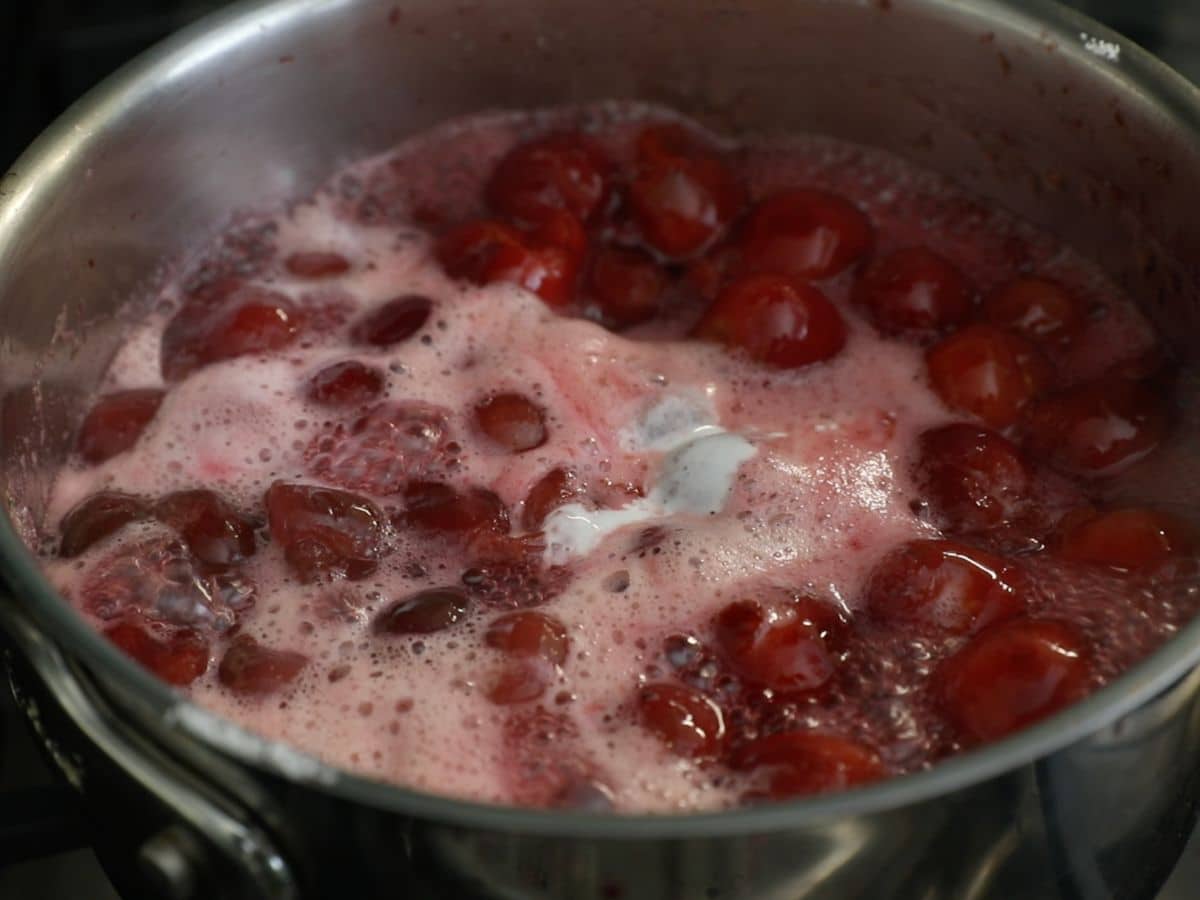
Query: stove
x=53, y=51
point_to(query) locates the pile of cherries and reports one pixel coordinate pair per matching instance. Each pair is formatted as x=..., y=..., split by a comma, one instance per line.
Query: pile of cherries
x=612, y=242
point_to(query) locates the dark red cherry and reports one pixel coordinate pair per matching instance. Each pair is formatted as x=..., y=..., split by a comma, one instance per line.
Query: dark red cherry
x=530, y=634
x=512, y=421
x=800, y=763
x=249, y=667
x=96, y=517
x=561, y=171
x=249, y=321
x=348, y=383
x=554, y=489
x=316, y=264
x=115, y=423
x=425, y=612
x=215, y=532
x=1038, y=308
x=989, y=372
x=804, y=233
x=325, y=532
x=785, y=645
x=393, y=322
x=684, y=719
x=435, y=506
x=914, y=291
x=972, y=477
x=626, y=286
x=1128, y=540
x=178, y=657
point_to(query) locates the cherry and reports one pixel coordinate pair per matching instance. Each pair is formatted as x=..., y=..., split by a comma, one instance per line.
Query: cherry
x=95, y=518
x=804, y=233
x=626, y=286
x=215, y=533
x=800, y=763
x=780, y=321
x=248, y=667
x=987, y=371
x=316, y=264
x=914, y=291
x=514, y=580
x=562, y=171
x=512, y=421
x=250, y=320
x=545, y=262
x=424, y=612
x=382, y=448
x=348, y=383
x=783, y=646
x=436, y=506
x=520, y=681
x=115, y=423
x=325, y=532
x=395, y=321
x=1129, y=540
x=554, y=489
x=1012, y=675
x=1038, y=308
x=687, y=721
x=945, y=585
x=973, y=478
x=682, y=197
x=178, y=658
x=530, y=634
x=1099, y=428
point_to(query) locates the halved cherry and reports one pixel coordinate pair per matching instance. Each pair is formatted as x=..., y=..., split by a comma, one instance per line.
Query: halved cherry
x=395, y=321
x=626, y=286
x=683, y=197
x=425, y=612
x=249, y=667
x=545, y=262
x=946, y=585
x=562, y=171
x=1129, y=540
x=215, y=532
x=780, y=321
x=530, y=634
x=179, y=657
x=1012, y=675
x=325, y=532
x=799, y=763
x=972, y=477
x=1097, y=429
x=684, y=719
x=987, y=371
x=512, y=421
x=786, y=646
x=436, y=506
x=805, y=233
x=96, y=517
x=250, y=320
x=1038, y=308
x=116, y=421
x=316, y=264
x=554, y=489
x=914, y=291
x=348, y=383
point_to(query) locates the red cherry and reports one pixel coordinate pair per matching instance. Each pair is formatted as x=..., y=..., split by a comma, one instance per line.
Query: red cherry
x=1097, y=429
x=987, y=371
x=973, y=478
x=626, y=286
x=435, y=506
x=178, y=658
x=1038, y=308
x=780, y=321
x=250, y=668
x=425, y=612
x=95, y=518
x=520, y=681
x=1129, y=540
x=116, y=422
x=800, y=763
x=348, y=383
x=393, y=322
x=784, y=646
x=562, y=171
x=806, y=234
x=381, y=449
x=1012, y=675
x=945, y=585
x=249, y=321
x=512, y=421
x=316, y=264
x=515, y=578
x=554, y=489
x=687, y=721
x=670, y=141
x=545, y=262
x=216, y=534
x=530, y=634
x=325, y=532
x=914, y=291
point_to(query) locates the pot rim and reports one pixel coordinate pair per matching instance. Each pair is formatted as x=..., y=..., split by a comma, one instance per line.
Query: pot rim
x=28, y=185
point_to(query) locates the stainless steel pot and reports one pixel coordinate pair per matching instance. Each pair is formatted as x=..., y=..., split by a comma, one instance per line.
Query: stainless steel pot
x=1023, y=102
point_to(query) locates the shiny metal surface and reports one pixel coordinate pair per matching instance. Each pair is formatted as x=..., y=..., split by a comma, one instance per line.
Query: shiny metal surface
x=1025, y=103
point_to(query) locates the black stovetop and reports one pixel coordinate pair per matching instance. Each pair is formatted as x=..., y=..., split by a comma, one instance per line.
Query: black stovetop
x=54, y=50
